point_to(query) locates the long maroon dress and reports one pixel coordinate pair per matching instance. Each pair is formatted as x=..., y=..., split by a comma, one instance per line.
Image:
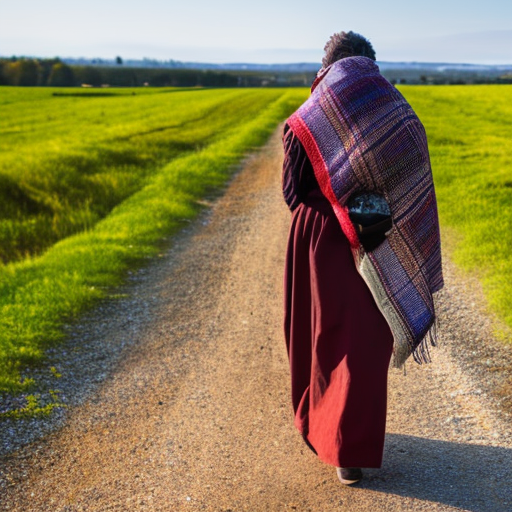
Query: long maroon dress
x=339, y=344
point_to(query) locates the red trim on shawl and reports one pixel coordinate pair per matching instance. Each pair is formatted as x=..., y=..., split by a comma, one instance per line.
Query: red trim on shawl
x=319, y=77
x=322, y=176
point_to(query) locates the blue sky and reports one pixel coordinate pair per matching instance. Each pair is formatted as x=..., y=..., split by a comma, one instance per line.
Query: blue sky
x=265, y=31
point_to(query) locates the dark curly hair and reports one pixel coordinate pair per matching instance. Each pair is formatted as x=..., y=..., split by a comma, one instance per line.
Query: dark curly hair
x=346, y=44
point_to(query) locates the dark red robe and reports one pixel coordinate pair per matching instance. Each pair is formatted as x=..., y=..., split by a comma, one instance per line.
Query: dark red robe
x=339, y=344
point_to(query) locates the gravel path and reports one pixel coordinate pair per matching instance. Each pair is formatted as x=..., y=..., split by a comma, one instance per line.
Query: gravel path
x=179, y=392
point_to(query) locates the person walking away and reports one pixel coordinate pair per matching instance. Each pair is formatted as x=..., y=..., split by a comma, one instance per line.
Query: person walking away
x=363, y=258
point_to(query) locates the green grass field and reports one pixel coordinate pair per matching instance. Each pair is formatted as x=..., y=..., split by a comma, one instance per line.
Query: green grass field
x=67, y=160
x=92, y=181
x=91, y=184
x=469, y=131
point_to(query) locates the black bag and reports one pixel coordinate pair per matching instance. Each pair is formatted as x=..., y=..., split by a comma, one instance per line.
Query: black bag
x=371, y=217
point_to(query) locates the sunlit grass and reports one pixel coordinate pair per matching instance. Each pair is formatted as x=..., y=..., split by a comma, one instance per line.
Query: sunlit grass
x=66, y=161
x=216, y=129
x=469, y=130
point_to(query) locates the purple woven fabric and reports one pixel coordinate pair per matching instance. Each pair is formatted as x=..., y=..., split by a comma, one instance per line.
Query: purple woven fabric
x=361, y=135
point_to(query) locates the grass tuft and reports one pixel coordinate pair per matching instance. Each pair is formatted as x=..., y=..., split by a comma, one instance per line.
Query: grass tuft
x=35, y=407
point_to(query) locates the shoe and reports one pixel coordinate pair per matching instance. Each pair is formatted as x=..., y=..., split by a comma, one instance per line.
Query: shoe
x=349, y=476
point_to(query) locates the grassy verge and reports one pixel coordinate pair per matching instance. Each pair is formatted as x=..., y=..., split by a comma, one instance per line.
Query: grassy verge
x=38, y=294
x=469, y=130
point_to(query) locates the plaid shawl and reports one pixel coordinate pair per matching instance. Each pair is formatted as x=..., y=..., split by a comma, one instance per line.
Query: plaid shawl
x=361, y=135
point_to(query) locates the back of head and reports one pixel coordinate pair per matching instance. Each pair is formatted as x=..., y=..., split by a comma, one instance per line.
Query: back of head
x=346, y=44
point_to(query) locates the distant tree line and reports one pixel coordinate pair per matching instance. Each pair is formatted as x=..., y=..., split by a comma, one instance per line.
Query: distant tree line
x=55, y=73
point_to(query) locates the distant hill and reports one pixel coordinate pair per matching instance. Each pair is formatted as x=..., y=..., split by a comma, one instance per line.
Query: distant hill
x=295, y=67
x=438, y=72
x=176, y=64
x=397, y=72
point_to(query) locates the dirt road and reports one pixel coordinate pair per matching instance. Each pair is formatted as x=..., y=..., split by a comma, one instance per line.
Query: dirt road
x=196, y=415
